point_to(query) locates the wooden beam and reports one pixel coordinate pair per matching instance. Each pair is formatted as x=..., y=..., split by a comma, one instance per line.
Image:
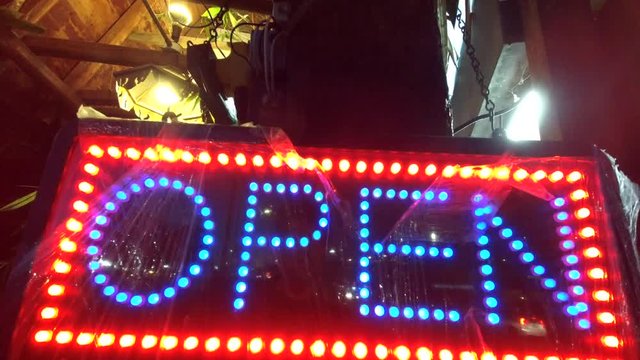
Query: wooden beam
x=539, y=65
x=258, y=6
x=103, y=53
x=16, y=50
x=41, y=9
x=80, y=75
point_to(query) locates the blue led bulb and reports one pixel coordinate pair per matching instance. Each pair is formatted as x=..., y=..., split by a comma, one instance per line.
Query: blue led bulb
x=559, y=202
x=408, y=313
x=109, y=290
x=251, y=213
x=245, y=256
x=316, y=235
x=280, y=188
x=364, y=233
x=92, y=250
x=486, y=270
x=101, y=219
x=252, y=200
x=94, y=265
x=208, y=225
x=253, y=186
x=153, y=299
x=121, y=195
x=95, y=234
x=562, y=216
x=323, y=222
x=183, y=282
x=364, y=205
x=379, y=310
x=364, y=309
x=506, y=233
x=136, y=300
x=307, y=189
x=447, y=252
x=164, y=182
x=207, y=239
x=578, y=290
x=304, y=242
x=568, y=245
x=364, y=261
x=195, y=270
x=571, y=259
x=433, y=251
x=189, y=191
x=169, y=292
x=205, y=211
x=527, y=257
x=318, y=196
x=364, y=293
x=416, y=195
x=324, y=208
x=419, y=250
x=584, y=324
x=403, y=194
x=364, y=192
x=483, y=240
x=377, y=192
x=241, y=287
x=478, y=212
x=364, y=277
x=443, y=196
x=100, y=279
x=364, y=218
x=267, y=187
x=122, y=297
x=493, y=318
x=549, y=283
x=262, y=241
x=238, y=304
x=290, y=242
x=429, y=195
x=391, y=194
x=491, y=302
x=454, y=316
x=198, y=199
x=423, y=313
x=516, y=245
x=582, y=307
x=378, y=248
x=391, y=248
x=481, y=226
x=149, y=183
x=538, y=270
x=573, y=275
x=560, y=296
x=243, y=271
x=275, y=241
x=405, y=249
x=394, y=312
x=110, y=206
x=484, y=254
x=438, y=314
x=364, y=247
x=248, y=227
x=489, y=285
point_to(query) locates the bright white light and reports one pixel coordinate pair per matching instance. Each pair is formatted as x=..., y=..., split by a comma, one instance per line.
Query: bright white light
x=180, y=13
x=525, y=123
x=166, y=94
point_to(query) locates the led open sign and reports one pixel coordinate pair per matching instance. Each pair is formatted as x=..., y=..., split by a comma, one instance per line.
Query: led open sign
x=196, y=248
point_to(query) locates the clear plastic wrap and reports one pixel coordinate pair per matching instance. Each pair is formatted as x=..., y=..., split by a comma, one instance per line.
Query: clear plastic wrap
x=170, y=246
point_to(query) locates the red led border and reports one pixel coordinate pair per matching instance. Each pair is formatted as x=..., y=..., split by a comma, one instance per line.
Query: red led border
x=591, y=255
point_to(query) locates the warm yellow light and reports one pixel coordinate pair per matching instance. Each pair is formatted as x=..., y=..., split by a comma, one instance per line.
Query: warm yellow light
x=212, y=344
x=168, y=342
x=190, y=343
x=424, y=353
x=234, y=344
x=277, y=346
x=180, y=13
x=49, y=313
x=318, y=348
x=127, y=340
x=166, y=95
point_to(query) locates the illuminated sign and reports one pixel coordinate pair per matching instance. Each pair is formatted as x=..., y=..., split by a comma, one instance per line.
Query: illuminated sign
x=232, y=249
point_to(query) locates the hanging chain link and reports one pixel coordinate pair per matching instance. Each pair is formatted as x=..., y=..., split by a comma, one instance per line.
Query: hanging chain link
x=489, y=105
x=216, y=22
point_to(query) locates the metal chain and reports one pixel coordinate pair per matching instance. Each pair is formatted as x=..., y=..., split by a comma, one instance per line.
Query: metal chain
x=216, y=22
x=489, y=105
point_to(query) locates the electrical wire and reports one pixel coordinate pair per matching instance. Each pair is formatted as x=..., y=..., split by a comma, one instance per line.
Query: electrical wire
x=483, y=117
x=233, y=49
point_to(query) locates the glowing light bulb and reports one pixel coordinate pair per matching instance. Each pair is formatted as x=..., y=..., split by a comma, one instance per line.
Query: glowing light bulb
x=361, y=166
x=360, y=350
x=84, y=339
x=424, y=353
x=502, y=173
x=223, y=159
x=190, y=343
x=275, y=161
x=583, y=213
x=344, y=165
x=258, y=161
x=402, y=352
x=587, y=232
x=67, y=245
x=413, y=169
x=445, y=354
x=381, y=352
x=578, y=195
x=133, y=154
x=592, y=252
x=80, y=206
x=187, y=157
x=49, y=313
x=234, y=344
x=574, y=176
x=105, y=340
x=127, y=340
x=168, y=342
x=485, y=173
x=449, y=171
x=520, y=175
x=606, y=318
x=378, y=167
x=151, y=155
x=204, y=158
x=488, y=356
x=317, y=348
x=166, y=95
x=556, y=176
x=61, y=267
x=431, y=169
x=467, y=355
x=277, y=346
x=64, y=337
x=395, y=168
x=326, y=164
x=91, y=169
x=212, y=344
x=85, y=187
x=240, y=159
x=538, y=175
x=255, y=345
x=74, y=225
x=168, y=155
x=610, y=341
x=43, y=336
x=95, y=151
x=466, y=172
x=149, y=341
x=55, y=290
x=596, y=273
x=602, y=295
x=525, y=122
x=297, y=347
x=114, y=152
x=339, y=349
x=180, y=13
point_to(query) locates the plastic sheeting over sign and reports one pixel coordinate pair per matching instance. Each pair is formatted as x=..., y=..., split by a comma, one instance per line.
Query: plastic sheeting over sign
x=157, y=246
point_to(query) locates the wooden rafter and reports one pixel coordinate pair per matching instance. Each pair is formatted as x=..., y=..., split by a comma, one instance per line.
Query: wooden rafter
x=80, y=75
